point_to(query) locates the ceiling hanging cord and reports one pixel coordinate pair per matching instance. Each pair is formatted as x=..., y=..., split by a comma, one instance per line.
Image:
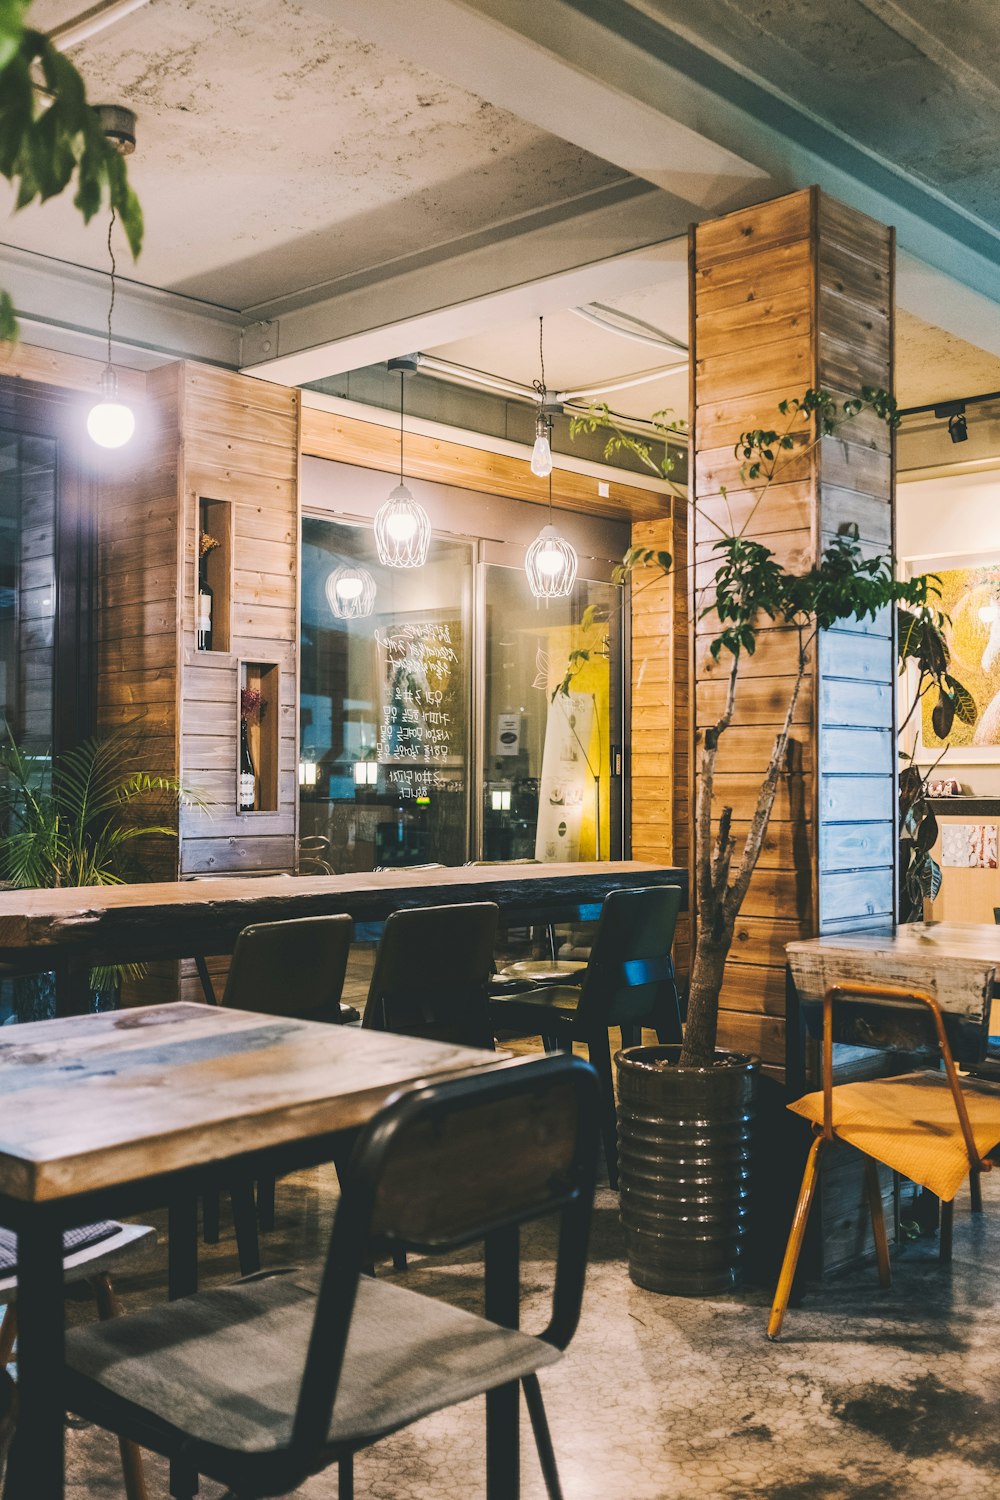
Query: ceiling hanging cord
x=109, y=422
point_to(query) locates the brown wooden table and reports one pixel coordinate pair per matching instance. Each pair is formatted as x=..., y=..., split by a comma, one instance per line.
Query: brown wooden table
x=113, y=1114
x=73, y=928
x=956, y=962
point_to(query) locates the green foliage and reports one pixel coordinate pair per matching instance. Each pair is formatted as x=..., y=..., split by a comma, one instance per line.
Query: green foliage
x=619, y=441
x=762, y=448
x=50, y=136
x=77, y=823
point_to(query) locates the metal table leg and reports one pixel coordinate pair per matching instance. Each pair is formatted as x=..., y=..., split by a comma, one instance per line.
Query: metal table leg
x=36, y=1469
x=503, y=1447
x=182, y=1280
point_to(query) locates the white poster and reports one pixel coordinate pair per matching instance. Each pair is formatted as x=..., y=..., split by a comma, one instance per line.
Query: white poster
x=567, y=782
x=508, y=734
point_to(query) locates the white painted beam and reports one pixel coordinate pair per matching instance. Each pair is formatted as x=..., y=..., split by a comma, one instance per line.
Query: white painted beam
x=612, y=241
x=63, y=306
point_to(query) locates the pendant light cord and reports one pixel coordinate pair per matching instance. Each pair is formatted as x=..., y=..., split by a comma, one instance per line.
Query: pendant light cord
x=550, y=497
x=114, y=268
x=401, y=427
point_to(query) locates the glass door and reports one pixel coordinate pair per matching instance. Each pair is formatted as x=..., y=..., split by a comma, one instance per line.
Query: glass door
x=385, y=724
x=551, y=760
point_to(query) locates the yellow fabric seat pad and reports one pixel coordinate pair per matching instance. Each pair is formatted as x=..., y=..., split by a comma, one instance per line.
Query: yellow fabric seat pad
x=911, y=1125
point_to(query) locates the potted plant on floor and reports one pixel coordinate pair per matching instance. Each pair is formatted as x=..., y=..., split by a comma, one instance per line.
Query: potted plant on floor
x=686, y=1111
x=78, y=821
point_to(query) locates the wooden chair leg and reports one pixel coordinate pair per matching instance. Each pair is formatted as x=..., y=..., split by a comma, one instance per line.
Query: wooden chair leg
x=543, y=1438
x=793, y=1249
x=976, y=1191
x=873, y=1188
x=947, y=1227
x=345, y=1478
x=245, y=1224
x=8, y=1334
x=599, y=1052
x=133, y=1473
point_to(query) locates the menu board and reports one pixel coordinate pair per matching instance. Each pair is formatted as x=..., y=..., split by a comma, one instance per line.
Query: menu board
x=421, y=732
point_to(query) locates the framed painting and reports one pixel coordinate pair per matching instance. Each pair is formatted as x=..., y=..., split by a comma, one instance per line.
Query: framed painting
x=970, y=596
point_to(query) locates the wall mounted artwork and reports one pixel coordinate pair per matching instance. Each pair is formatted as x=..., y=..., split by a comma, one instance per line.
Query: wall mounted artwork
x=970, y=595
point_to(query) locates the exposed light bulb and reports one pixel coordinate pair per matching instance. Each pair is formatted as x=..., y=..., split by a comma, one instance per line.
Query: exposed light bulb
x=551, y=565
x=401, y=525
x=549, y=560
x=110, y=423
x=350, y=592
x=402, y=531
x=349, y=588
x=541, y=453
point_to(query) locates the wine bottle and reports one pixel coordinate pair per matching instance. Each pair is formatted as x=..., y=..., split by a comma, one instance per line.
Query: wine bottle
x=204, y=613
x=248, y=776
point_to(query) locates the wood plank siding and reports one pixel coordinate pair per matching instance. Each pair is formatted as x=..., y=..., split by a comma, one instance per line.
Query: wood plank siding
x=788, y=294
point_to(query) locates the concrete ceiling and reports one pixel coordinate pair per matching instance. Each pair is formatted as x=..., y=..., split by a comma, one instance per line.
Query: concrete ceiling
x=330, y=182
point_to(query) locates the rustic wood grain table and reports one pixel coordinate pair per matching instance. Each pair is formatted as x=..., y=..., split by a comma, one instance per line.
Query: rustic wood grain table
x=71, y=929
x=956, y=962
x=113, y=1114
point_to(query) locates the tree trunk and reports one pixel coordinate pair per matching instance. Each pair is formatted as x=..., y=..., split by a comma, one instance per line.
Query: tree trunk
x=707, y=972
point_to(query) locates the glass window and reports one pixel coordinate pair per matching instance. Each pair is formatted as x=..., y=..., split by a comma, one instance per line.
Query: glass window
x=547, y=790
x=27, y=589
x=385, y=729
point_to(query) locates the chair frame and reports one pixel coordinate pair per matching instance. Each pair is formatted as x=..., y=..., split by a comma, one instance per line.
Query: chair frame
x=825, y=1134
x=309, y=1451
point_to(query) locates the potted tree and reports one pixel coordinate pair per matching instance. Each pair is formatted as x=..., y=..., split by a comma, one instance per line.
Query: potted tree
x=686, y=1112
x=77, y=821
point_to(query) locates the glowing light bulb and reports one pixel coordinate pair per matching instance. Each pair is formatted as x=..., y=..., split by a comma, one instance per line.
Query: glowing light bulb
x=110, y=423
x=349, y=588
x=541, y=453
x=549, y=561
x=402, y=531
x=401, y=526
x=550, y=565
x=350, y=592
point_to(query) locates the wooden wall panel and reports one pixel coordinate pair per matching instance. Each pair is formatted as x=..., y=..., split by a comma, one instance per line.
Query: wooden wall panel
x=788, y=294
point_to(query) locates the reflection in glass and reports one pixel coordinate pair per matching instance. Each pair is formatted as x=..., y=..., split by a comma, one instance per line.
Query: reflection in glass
x=384, y=707
x=547, y=792
x=27, y=589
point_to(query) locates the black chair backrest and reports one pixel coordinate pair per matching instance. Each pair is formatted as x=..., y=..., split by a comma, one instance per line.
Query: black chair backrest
x=630, y=966
x=293, y=968
x=445, y=1165
x=432, y=968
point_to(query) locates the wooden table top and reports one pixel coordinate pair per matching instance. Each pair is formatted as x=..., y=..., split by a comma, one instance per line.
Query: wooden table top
x=192, y=916
x=97, y=1101
x=955, y=961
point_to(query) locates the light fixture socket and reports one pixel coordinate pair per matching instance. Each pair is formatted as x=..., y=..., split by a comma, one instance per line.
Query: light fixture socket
x=404, y=364
x=118, y=123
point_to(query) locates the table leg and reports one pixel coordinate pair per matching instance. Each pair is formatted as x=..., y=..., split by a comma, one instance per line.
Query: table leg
x=72, y=987
x=37, y=1458
x=182, y=1280
x=503, y=1411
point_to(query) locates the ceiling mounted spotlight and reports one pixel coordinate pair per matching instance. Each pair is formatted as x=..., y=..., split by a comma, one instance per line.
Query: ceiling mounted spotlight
x=958, y=428
x=118, y=124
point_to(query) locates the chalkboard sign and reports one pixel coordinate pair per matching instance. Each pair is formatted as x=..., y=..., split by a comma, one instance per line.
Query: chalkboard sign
x=421, y=732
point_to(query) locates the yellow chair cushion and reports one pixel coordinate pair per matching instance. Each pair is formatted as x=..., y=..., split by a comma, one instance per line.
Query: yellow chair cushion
x=910, y=1124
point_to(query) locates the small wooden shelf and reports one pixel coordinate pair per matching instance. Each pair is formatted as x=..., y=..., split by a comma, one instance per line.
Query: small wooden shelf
x=262, y=732
x=215, y=519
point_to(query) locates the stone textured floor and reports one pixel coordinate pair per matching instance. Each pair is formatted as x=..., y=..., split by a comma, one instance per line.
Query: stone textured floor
x=869, y=1394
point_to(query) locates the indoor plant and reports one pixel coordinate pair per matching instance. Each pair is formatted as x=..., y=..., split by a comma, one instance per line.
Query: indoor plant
x=77, y=821
x=690, y=1106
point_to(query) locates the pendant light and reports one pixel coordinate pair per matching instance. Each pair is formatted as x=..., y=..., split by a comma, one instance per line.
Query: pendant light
x=110, y=422
x=402, y=526
x=551, y=562
x=541, y=453
x=350, y=592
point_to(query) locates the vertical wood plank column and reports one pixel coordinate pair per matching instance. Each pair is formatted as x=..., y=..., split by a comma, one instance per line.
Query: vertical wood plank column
x=789, y=294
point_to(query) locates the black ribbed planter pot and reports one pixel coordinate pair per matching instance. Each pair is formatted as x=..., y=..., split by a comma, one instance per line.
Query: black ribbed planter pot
x=684, y=1168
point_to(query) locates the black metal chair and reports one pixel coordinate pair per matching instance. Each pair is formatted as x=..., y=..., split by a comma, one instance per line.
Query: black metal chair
x=294, y=968
x=261, y=1384
x=629, y=982
x=432, y=969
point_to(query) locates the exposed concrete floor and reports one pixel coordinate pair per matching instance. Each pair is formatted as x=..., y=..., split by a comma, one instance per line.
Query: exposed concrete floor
x=870, y=1394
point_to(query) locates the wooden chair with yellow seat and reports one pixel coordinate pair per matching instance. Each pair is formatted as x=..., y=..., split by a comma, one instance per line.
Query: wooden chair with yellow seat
x=931, y=1126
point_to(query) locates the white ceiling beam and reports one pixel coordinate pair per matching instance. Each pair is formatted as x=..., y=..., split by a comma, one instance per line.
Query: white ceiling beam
x=611, y=242
x=66, y=307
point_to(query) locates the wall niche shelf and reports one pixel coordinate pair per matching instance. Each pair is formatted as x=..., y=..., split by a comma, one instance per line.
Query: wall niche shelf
x=262, y=729
x=214, y=570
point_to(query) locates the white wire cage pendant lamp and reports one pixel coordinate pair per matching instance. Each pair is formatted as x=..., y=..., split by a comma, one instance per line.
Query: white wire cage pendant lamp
x=551, y=562
x=402, y=526
x=110, y=423
x=350, y=592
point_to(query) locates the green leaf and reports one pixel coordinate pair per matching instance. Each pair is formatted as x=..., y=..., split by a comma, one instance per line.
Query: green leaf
x=965, y=705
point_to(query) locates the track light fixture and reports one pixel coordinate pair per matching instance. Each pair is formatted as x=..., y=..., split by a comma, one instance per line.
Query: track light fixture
x=958, y=428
